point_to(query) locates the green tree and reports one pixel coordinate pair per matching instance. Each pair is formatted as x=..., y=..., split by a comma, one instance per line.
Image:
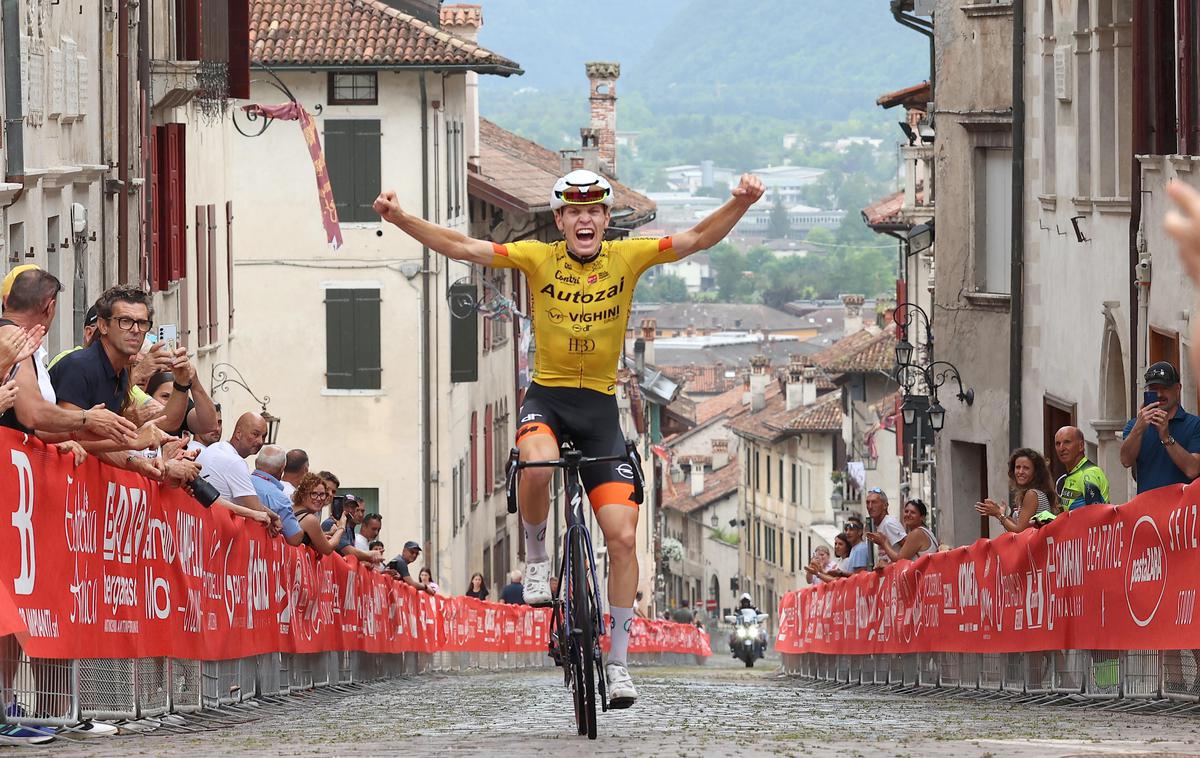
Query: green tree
x=779, y=227
x=670, y=289
x=730, y=267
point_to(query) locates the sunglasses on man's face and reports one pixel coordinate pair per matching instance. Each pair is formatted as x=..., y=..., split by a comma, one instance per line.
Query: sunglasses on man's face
x=853, y=525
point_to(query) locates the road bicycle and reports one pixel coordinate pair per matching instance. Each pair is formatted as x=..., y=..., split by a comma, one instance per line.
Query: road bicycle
x=577, y=614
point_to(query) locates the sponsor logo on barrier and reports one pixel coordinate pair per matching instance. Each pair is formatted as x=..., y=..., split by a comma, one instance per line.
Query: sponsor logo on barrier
x=1145, y=571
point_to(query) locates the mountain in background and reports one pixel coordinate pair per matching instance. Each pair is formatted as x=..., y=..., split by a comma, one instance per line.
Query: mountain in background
x=791, y=59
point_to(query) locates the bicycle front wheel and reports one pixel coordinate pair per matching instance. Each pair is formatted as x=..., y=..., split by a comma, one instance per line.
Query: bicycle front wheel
x=583, y=610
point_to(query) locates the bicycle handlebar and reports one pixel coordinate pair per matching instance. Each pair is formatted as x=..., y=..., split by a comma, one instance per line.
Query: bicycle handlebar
x=577, y=461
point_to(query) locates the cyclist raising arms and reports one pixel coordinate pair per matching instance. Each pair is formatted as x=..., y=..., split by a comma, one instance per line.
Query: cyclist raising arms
x=582, y=289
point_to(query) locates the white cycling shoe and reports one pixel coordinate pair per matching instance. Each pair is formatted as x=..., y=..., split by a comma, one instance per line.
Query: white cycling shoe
x=536, y=585
x=621, y=693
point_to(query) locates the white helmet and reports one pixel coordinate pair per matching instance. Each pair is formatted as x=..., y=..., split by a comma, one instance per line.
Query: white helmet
x=746, y=596
x=581, y=187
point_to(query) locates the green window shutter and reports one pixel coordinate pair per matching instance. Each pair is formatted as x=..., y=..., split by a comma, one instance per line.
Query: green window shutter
x=464, y=338
x=339, y=159
x=367, y=358
x=366, y=169
x=339, y=339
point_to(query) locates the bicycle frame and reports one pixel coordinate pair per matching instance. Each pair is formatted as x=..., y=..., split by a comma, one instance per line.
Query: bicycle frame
x=572, y=462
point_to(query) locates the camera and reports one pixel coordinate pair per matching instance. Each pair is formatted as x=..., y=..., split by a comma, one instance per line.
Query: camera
x=203, y=491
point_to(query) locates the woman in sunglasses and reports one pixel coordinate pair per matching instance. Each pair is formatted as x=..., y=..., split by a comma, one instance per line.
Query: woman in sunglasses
x=919, y=540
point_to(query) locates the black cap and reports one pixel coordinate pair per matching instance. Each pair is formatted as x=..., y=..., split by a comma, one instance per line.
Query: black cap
x=1162, y=373
x=410, y=545
x=91, y=317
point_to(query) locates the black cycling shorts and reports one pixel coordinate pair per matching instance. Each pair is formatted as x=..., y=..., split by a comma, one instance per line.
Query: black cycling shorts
x=591, y=421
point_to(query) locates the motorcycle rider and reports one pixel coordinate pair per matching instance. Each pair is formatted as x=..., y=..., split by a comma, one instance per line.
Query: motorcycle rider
x=747, y=610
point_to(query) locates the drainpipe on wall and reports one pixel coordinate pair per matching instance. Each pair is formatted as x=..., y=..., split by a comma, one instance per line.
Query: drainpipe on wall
x=920, y=26
x=1016, y=311
x=1139, y=279
x=122, y=32
x=14, y=129
x=426, y=318
x=143, y=68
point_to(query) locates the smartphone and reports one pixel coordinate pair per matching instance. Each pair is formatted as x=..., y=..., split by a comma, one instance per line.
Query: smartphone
x=1149, y=397
x=168, y=334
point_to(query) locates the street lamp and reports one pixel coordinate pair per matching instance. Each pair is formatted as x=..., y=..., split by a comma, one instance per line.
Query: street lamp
x=904, y=351
x=218, y=379
x=937, y=415
x=920, y=238
x=909, y=410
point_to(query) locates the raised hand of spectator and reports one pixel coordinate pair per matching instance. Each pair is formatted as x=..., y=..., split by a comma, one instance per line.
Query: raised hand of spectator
x=989, y=507
x=876, y=537
x=156, y=359
x=150, y=436
x=182, y=368
x=178, y=472
x=17, y=345
x=8, y=395
x=177, y=449
x=100, y=422
x=70, y=447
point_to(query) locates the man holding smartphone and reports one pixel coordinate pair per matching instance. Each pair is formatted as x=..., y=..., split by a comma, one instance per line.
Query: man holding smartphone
x=1162, y=443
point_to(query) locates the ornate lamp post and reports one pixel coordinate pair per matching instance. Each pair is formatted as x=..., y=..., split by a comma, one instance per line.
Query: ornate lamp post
x=220, y=377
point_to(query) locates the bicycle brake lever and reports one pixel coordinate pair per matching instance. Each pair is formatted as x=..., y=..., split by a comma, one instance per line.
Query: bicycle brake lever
x=514, y=455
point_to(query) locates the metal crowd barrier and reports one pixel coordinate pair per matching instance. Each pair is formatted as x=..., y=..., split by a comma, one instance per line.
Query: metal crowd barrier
x=64, y=693
x=1125, y=680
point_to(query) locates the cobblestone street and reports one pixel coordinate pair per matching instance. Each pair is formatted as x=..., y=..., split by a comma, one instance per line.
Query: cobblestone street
x=712, y=710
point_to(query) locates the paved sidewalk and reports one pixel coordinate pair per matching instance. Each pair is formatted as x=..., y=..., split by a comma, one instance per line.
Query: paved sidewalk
x=684, y=711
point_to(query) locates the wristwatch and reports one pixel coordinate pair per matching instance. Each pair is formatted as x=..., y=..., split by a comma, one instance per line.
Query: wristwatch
x=1168, y=441
x=181, y=387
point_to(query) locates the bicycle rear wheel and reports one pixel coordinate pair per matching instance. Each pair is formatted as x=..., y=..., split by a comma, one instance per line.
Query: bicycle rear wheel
x=583, y=609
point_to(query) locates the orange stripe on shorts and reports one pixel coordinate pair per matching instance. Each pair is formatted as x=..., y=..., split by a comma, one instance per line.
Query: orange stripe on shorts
x=611, y=493
x=533, y=429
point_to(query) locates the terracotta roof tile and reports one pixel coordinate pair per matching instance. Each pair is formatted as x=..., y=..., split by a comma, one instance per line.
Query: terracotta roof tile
x=717, y=484
x=358, y=33
x=875, y=354
x=775, y=421
x=462, y=14
x=729, y=403
x=520, y=173
x=703, y=380
x=916, y=96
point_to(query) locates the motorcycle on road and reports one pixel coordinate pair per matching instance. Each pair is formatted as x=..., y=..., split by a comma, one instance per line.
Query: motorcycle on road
x=748, y=642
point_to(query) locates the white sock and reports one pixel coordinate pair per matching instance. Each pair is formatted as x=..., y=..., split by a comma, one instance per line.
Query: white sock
x=535, y=541
x=622, y=620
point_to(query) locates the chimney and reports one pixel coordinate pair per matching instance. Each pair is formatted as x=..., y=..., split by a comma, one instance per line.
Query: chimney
x=462, y=20
x=602, y=80
x=795, y=384
x=745, y=374
x=720, y=452
x=589, y=141
x=697, y=478
x=760, y=377
x=852, y=319
x=649, y=328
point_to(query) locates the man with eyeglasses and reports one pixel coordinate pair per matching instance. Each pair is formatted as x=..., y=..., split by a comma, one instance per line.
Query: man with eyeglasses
x=30, y=297
x=582, y=289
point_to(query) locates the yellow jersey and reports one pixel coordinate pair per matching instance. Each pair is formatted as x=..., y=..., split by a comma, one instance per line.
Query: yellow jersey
x=580, y=309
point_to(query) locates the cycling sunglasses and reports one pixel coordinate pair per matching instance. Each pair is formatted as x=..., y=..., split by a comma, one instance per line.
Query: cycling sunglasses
x=585, y=195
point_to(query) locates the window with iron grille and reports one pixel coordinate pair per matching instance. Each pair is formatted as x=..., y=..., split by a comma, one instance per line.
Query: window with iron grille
x=353, y=88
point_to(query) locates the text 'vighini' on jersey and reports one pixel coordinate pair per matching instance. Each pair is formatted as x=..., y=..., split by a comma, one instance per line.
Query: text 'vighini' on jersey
x=580, y=310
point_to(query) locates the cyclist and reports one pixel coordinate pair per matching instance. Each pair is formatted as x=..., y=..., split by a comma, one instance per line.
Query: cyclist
x=582, y=290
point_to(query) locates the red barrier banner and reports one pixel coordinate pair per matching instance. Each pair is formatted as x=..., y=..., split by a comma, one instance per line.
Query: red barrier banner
x=1103, y=577
x=659, y=636
x=102, y=563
